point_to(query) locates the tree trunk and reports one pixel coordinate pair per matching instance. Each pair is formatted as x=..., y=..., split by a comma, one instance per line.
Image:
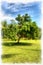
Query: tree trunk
x=18, y=39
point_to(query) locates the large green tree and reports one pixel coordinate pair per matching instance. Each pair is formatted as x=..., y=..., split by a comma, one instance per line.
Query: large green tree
x=27, y=28
x=24, y=28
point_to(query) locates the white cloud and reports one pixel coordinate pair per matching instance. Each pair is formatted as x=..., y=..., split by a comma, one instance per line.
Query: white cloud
x=2, y=16
x=23, y=1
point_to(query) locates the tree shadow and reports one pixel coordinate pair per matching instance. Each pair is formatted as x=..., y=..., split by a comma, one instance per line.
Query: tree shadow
x=32, y=49
x=8, y=55
x=17, y=44
x=11, y=55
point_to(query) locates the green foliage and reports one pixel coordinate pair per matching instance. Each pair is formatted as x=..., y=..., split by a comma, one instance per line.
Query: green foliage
x=25, y=28
x=4, y=23
x=10, y=31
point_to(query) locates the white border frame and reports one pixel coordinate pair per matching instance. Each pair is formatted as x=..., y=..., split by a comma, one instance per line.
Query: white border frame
x=41, y=38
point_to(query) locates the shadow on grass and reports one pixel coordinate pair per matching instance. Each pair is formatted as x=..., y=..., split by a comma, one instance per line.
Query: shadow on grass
x=8, y=55
x=17, y=44
x=32, y=49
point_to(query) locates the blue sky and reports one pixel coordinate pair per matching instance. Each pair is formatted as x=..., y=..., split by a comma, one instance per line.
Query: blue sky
x=13, y=9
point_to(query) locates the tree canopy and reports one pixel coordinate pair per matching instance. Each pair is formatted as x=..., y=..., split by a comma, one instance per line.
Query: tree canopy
x=25, y=28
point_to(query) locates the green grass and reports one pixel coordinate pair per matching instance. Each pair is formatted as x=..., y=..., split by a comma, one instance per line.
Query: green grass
x=26, y=51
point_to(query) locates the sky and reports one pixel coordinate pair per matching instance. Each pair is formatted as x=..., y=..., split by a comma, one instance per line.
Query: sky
x=11, y=8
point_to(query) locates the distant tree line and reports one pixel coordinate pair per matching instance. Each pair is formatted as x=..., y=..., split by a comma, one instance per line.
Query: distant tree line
x=24, y=28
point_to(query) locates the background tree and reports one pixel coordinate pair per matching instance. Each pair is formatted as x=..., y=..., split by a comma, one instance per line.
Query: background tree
x=9, y=31
x=4, y=28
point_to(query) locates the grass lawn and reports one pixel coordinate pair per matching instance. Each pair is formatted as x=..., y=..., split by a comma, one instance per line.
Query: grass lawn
x=26, y=51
